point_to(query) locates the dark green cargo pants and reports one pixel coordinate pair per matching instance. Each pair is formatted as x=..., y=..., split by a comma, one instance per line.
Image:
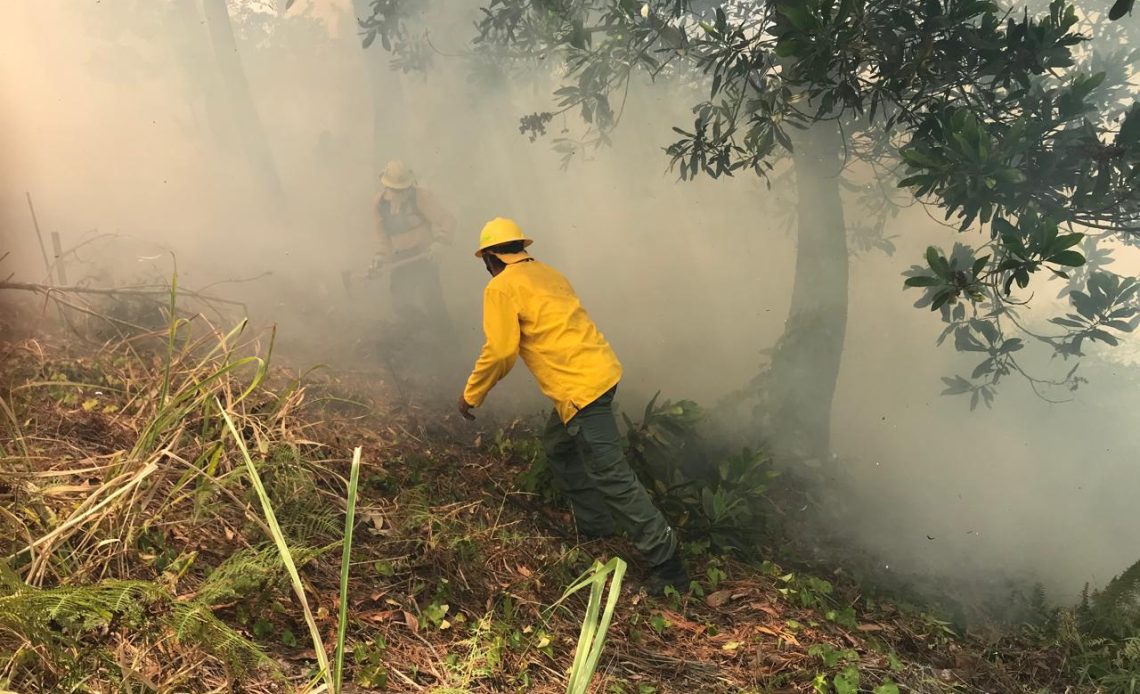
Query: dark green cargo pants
x=590, y=468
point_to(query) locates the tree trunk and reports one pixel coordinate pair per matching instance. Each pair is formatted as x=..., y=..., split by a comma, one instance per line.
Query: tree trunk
x=805, y=363
x=250, y=131
x=390, y=133
x=190, y=44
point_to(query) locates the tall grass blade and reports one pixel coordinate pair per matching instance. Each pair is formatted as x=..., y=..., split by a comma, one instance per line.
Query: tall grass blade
x=272, y=341
x=346, y=555
x=596, y=624
x=190, y=397
x=82, y=513
x=223, y=343
x=598, y=640
x=282, y=548
x=170, y=339
x=17, y=435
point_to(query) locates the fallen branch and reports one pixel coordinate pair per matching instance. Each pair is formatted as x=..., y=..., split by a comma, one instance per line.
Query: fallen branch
x=157, y=291
x=94, y=314
x=39, y=234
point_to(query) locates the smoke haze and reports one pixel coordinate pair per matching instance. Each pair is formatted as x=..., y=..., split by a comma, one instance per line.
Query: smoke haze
x=115, y=118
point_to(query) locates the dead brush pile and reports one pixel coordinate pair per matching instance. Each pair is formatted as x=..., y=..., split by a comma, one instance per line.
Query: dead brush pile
x=137, y=556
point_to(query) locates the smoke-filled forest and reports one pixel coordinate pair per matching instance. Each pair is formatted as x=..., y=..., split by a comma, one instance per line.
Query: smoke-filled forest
x=616, y=346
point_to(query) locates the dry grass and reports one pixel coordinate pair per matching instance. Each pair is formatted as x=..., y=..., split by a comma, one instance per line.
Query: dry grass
x=118, y=466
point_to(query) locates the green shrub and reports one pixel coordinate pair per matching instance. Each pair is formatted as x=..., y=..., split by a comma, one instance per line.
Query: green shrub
x=719, y=502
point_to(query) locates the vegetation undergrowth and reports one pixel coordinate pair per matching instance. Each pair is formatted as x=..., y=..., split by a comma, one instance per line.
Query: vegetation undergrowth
x=724, y=504
x=155, y=491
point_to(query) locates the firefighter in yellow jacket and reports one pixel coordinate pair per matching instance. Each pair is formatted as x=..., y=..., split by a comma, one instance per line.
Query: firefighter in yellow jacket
x=530, y=310
x=410, y=223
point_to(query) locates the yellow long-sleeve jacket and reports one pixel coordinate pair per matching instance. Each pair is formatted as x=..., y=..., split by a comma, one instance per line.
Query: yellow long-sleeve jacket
x=530, y=309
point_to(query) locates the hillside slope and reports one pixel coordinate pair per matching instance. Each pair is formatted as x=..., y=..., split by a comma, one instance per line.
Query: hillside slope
x=151, y=566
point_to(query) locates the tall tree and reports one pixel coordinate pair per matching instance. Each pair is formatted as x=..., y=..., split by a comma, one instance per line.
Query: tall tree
x=805, y=363
x=193, y=50
x=992, y=120
x=378, y=88
x=985, y=111
x=250, y=130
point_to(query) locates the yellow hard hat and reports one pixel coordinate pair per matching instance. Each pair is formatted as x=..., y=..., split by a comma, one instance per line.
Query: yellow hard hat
x=397, y=176
x=500, y=230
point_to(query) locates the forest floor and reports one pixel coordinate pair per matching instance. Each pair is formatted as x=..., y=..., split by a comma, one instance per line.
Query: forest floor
x=137, y=557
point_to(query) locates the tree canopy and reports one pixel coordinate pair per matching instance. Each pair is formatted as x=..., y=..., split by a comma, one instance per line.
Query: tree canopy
x=1001, y=120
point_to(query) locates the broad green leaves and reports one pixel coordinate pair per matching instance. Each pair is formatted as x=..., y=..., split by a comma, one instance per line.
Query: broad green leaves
x=1110, y=305
x=1120, y=8
x=985, y=115
x=392, y=22
x=950, y=278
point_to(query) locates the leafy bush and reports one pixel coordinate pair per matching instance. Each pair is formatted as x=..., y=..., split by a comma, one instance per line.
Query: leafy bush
x=1115, y=611
x=1101, y=636
x=717, y=502
x=69, y=625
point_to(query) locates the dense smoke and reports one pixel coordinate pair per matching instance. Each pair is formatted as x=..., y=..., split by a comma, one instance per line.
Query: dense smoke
x=116, y=120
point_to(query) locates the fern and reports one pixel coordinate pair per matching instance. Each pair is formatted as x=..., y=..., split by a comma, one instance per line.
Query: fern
x=196, y=624
x=59, y=620
x=247, y=573
x=1115, y=611
x=10, y=581
x=302, y=511
x=76, y=609
x=310, y=520
x=1101, y=634
x=1130, y=654
x=415, y=506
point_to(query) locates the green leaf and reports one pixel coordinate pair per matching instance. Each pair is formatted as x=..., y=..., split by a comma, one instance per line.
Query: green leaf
x=847, y=682
x=1130, y=129
x=789, y=46
x=895, y=664
x=1103, y=337
x=937, y=262
x=844, y=11
x=325, y=670
x=1066, y=241
x=782, y=138
x=595, y=626
x=1003, y=227
x=798, y=15
x=1084, y=304
x=887, y=687
x=917, y=158
x=987, y=330
x=922, y=281
x=1069, y=258
x=917, y=180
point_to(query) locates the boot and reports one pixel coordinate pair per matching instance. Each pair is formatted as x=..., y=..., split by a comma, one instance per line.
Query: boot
x=670, y=573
